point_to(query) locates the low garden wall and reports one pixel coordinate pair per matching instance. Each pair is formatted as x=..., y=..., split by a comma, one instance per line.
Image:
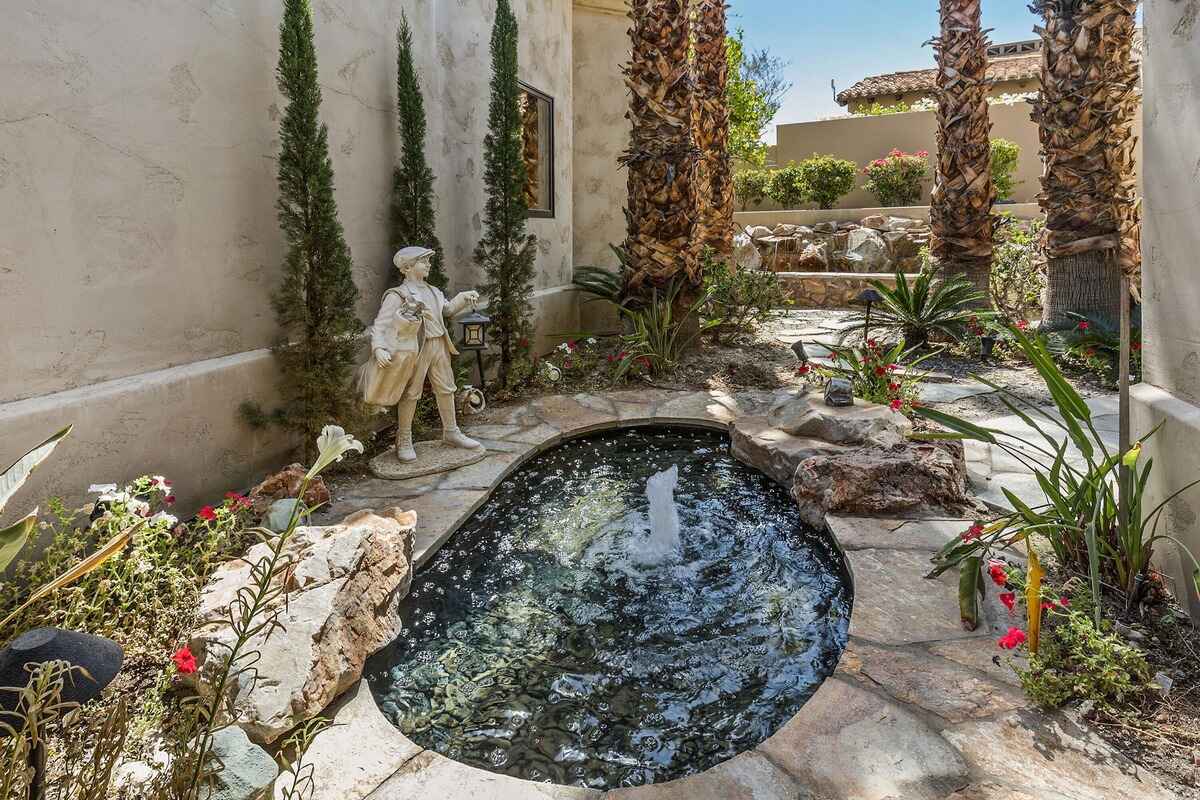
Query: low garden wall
x=827, y=289
x=811, y=217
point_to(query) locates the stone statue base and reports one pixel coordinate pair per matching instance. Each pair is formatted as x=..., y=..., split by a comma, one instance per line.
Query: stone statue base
x=432, y=458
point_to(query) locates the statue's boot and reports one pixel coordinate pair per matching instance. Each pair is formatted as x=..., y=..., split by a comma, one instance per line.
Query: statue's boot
x=405, y=412
x=451, y=435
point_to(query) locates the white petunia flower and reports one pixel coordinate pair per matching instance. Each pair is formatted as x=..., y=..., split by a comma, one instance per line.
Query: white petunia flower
x=163, y=518
x=102, y=488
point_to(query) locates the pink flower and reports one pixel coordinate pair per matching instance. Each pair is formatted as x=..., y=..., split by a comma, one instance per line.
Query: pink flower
x=997, y=572
x=1064, y=601
x=1013, y=639
x=1022, y=324
x=1046, y=605
x=922, y=154
x=872, y=343
x=185, y=662
x=571, y=346
x=237, y=500
x=169, y=499
x=1009, y=599
x=1083, y=326
x=892, y=367
x=897, y=404
x=207, y=514
x=972, y=533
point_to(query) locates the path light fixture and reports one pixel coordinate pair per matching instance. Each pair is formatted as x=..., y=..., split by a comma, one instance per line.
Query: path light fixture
x=474, y=337
x=94, y=662
x=868, y=297
x=987, y=344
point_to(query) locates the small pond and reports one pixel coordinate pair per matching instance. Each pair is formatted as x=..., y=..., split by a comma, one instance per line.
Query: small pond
x=585, y=627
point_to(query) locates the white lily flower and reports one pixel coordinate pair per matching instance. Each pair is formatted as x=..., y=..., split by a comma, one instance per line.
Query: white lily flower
x=332, y=444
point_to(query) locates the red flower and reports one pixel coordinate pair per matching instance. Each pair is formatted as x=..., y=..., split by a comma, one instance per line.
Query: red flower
x=571, y=346
x=803, y=369
x=922, y=154
x=893, y=367
x=1013, y=639
x=972, y=533
x=1022, y=324
x=897, y=404
x=567, y=364
x=169, y=499
x=997, y=572
x=237, y=500
x=880, y=371
x=872, y=343
x=1046, y=605
x=893, y=387
x=1083, y=326
x=1135, y=346
x=185, y=662
x=1064, y=601
x=644, y=361
x=1009, y=599
x=207, y=514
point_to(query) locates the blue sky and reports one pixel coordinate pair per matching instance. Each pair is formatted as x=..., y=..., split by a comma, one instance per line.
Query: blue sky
x=846, y=40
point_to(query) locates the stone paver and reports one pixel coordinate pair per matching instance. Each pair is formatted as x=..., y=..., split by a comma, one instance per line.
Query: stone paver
x=981, y=655
x=935, y=393
x=851, y=744
x=430, y=776
x=894, y=603
x=750, y=776
x=1052, y=758
x=937, y=686
x=861, y=533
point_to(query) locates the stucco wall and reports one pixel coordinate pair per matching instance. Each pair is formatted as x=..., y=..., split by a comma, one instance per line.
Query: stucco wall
x=1171, y=280
x=138, y=241
x=864, y=139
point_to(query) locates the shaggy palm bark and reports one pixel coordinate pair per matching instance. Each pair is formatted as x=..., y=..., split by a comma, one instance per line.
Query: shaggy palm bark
x=714, y=180
x=661, y=159
x=1085, y=118
x=961, y=206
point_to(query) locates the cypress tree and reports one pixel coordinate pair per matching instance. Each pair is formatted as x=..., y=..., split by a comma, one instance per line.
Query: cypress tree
x=315, y=303
x=413, y=220
x=506, y=253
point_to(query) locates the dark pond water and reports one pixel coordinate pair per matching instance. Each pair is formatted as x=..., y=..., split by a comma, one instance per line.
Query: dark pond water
x=560, y=637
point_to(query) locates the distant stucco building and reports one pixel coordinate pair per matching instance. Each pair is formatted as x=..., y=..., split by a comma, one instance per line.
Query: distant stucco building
x=139, y=245
x=1014, y=68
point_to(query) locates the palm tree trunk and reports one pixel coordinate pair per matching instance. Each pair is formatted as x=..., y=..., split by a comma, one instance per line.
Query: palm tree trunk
x=714, y=194
x=662, y=154
x=1085, y=119
x=961, y=206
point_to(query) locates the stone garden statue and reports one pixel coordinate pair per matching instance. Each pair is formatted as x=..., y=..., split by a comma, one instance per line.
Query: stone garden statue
x=410, y=341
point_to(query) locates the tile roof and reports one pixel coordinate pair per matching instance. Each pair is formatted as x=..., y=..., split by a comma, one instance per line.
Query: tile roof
x=1014, y=68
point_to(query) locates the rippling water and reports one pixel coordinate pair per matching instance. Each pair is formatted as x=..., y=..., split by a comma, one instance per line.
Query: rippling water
x=537, y=643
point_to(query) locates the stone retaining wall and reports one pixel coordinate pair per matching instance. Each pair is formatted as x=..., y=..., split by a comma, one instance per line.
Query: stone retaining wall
x=828, y=289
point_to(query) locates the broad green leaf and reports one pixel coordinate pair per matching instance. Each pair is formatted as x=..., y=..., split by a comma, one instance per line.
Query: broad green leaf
x=1029, y=515
x=969, y=586
x=13, y=538
x=15, y=476
x=956, y=424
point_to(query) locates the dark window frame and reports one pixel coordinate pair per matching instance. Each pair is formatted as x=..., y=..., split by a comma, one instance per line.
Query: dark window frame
x=538, y=94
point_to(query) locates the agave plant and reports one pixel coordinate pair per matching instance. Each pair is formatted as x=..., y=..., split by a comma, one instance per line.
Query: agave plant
x=925, y=308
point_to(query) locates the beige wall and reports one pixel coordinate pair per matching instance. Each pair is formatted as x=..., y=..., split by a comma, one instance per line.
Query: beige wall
x=138, y=237
x=1171, y=280
x=864, y=139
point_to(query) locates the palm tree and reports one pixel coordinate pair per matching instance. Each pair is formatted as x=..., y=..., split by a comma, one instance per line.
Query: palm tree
x=961, y=206
x=661, y=159
x=714, y=189
x=1085, y=118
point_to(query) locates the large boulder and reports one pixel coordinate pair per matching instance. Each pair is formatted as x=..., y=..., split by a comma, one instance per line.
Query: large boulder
x=875, y=222
x=759, y=232
x=286, y=484
x=882, y=478
x=808, y=417
x=866, y=251
x=745, y=254
x=246, y=770
x=339, y=605
x=814, y=258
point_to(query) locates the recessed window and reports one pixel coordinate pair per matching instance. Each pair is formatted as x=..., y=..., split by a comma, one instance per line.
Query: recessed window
x=537, y=127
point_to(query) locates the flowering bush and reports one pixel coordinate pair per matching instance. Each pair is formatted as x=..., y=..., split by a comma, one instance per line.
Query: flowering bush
x=897, y=179
x=879, y=374
x=1018, y=275
x=161, y=568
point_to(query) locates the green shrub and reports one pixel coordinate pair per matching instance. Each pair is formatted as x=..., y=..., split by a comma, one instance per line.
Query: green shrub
x=827, y=179
x=923, y=308
x=1075, y=661
x=897, y=179
x=787, y=186
x=1095, y=346
x=751, y=186
x=1018, y=275
x=739, y=299
x=878, y=109
x=1005, y=157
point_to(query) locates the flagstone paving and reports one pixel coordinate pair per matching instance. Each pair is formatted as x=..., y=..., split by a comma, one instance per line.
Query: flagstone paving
x=919, y=708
